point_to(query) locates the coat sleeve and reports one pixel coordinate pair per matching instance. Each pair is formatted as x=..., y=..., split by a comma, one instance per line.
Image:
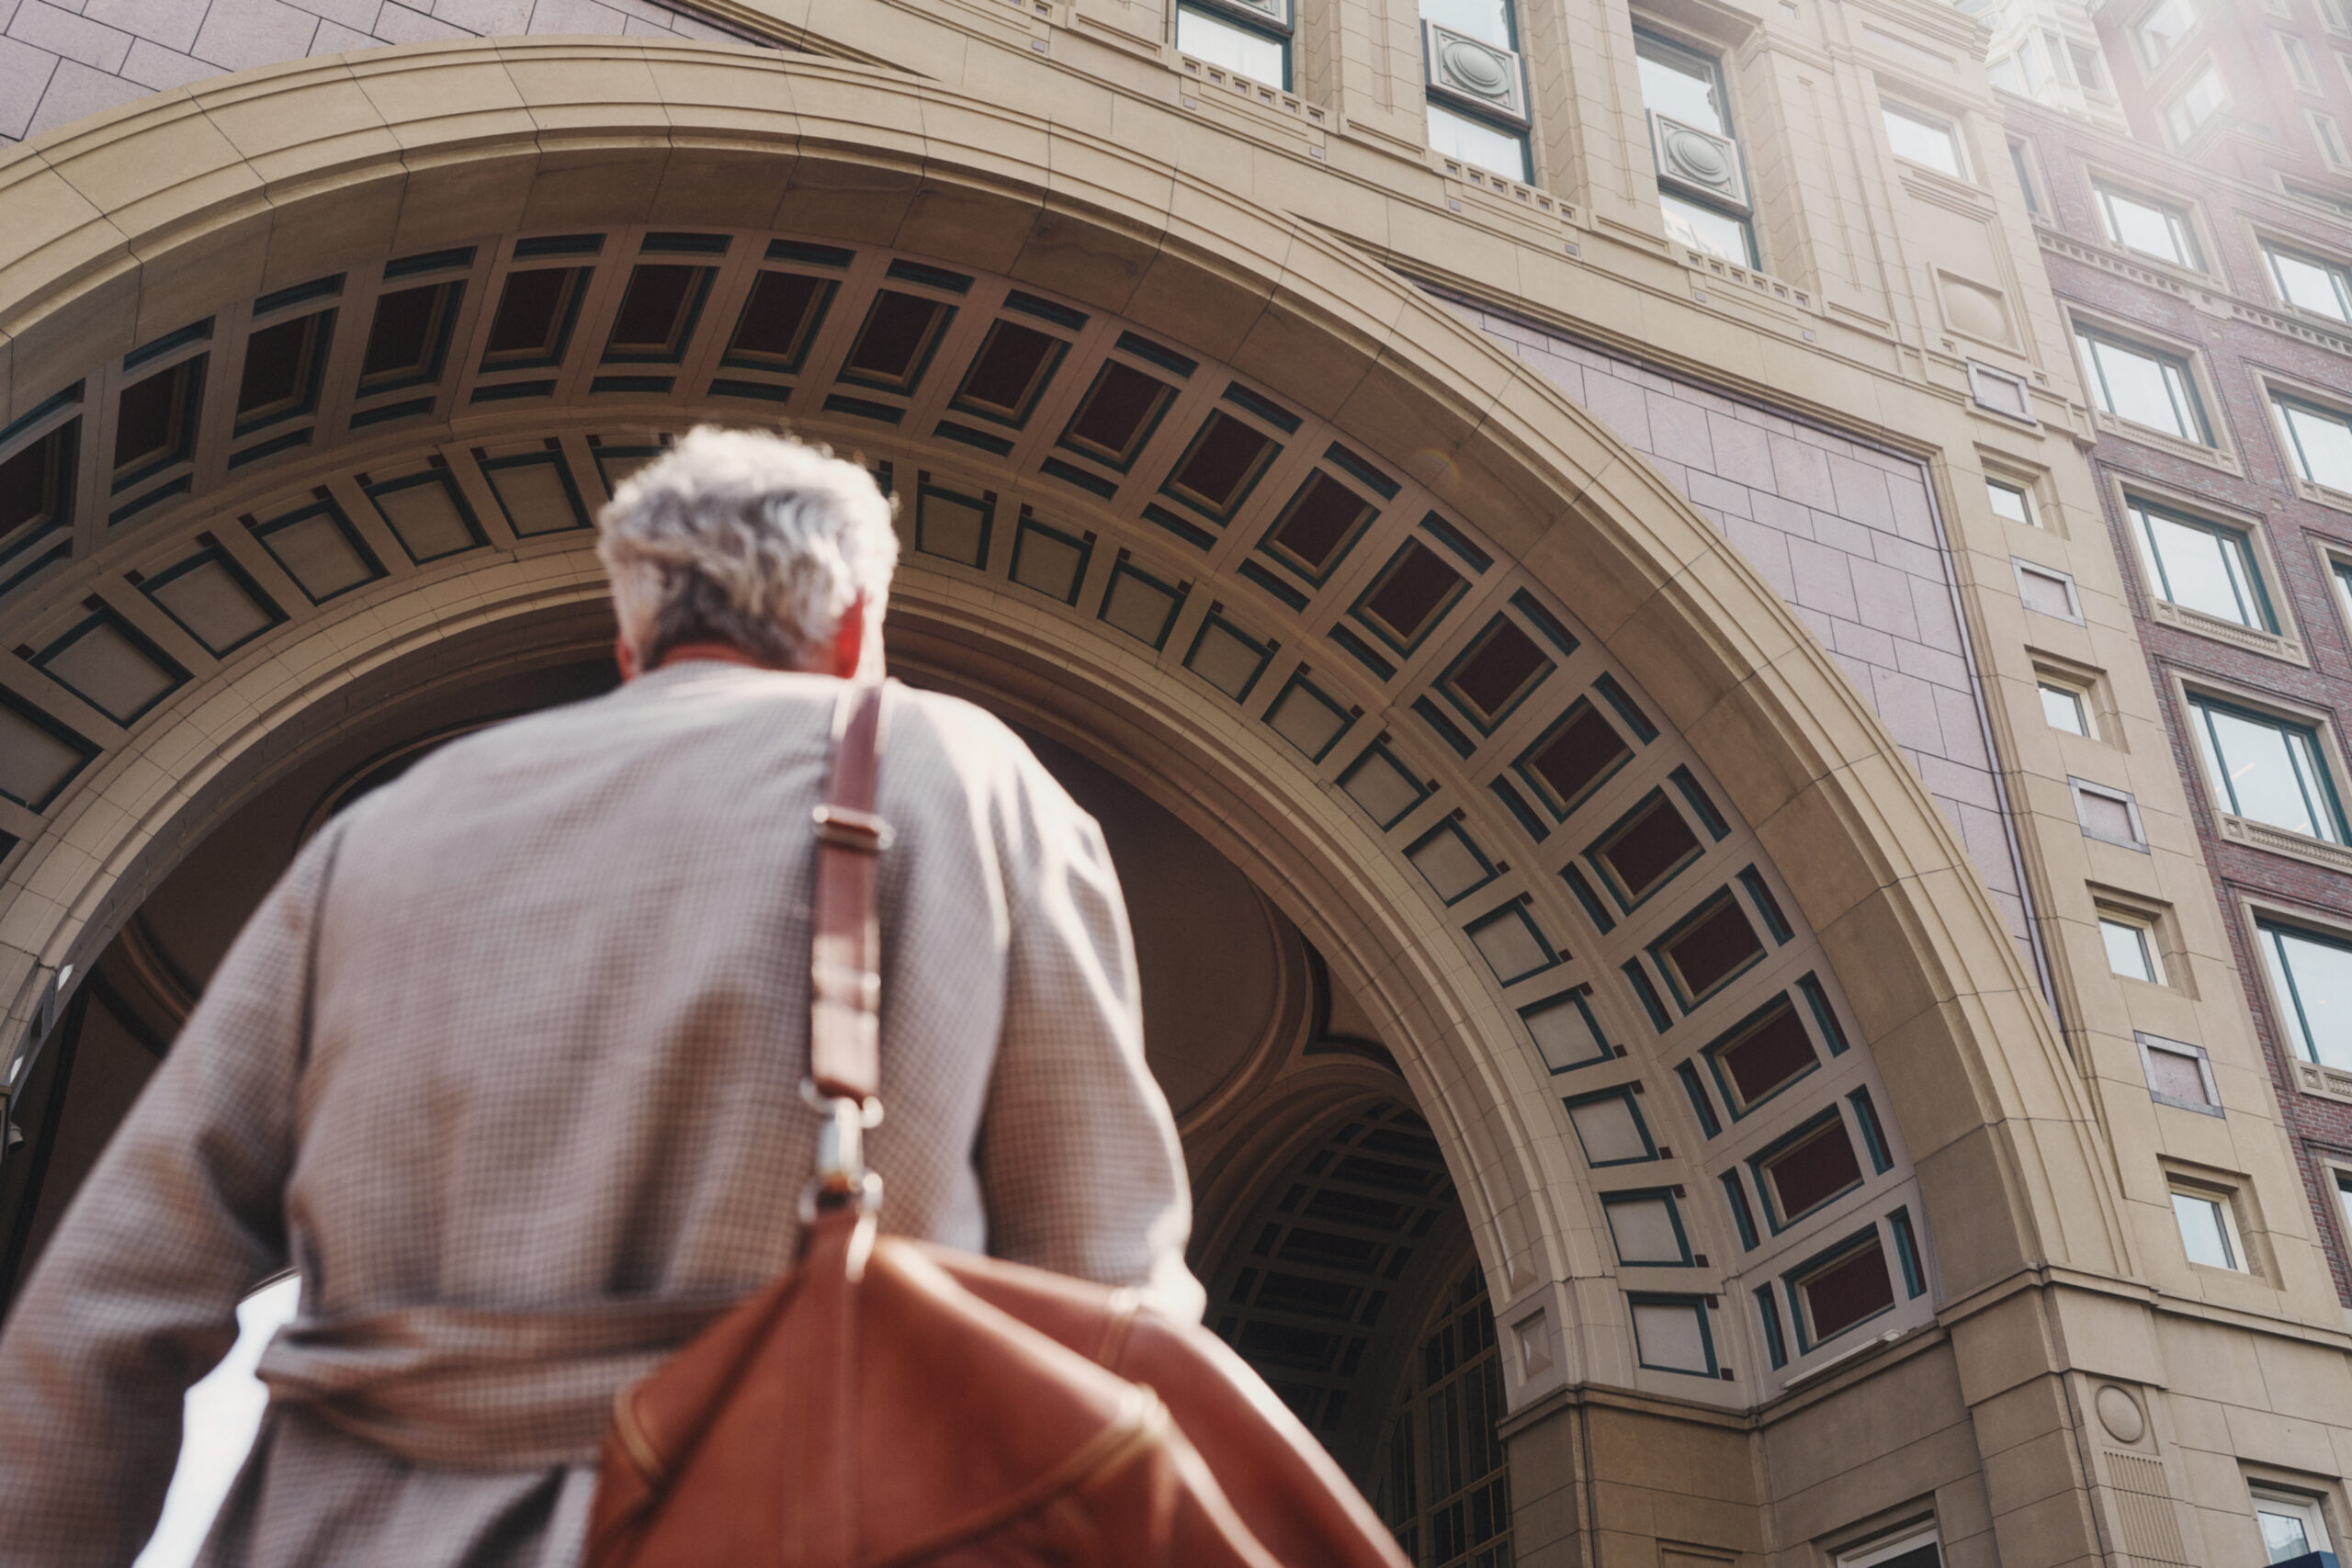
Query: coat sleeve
x=136, y=1295
x=1079, y=1158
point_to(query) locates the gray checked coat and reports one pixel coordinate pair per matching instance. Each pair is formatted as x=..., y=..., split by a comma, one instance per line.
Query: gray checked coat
x=526, y=1030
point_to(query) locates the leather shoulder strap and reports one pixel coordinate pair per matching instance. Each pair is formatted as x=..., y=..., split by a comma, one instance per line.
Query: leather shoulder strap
x=845, y=964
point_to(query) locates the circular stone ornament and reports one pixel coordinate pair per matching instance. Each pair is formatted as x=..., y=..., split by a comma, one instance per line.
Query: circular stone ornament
x=1699, y=158
x=1477, y=68
x=2120, y=1413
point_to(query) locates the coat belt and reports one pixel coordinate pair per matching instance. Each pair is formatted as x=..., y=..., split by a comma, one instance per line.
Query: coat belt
x=478, y=1389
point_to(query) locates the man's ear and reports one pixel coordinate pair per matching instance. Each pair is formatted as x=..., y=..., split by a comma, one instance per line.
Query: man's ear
x=625, y=657
x=849, y=639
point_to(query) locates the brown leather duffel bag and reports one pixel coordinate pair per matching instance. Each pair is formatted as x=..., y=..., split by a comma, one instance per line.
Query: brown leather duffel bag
x=892, y=1403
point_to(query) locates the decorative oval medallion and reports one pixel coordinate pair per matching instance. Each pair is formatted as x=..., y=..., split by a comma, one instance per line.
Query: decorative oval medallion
x=2120, y=1413
x=1478, y=69
x=1697, y=157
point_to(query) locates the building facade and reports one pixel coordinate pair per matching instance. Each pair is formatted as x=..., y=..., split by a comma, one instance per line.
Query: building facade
x=1548, y=533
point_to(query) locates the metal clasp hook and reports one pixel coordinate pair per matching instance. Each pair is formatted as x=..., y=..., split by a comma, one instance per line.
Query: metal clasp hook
x=841, y=1176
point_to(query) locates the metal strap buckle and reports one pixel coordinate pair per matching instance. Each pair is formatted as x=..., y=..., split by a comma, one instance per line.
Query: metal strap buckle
x=841, y=1176
x=844, y=829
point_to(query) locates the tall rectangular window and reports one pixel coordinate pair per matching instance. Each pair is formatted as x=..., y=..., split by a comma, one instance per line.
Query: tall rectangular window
x=2312, y=977
x=1256, y=52
x=2299, y=62
x=2143, y=385
x=2165, y=28
x=1477, y=87
x=2197, y=103
x=2149, y=227
x=1702, y=184
x=2330, y=137
x=2310, y=284
x=2201, y=566
x=2320, y=441
x=2268, y=770
x=2293, y=1524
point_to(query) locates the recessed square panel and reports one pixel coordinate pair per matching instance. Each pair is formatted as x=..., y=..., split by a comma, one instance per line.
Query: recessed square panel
x=953, y=526
x=408, y=339
x=1381, y=782
x=537, y=493
x=1223, y=464
x=214, y=601
x=1577, y=755
x=617, y=463
x=1565, y=1033
x=1643, y=850
x=156, y=420
x=1142, y=605
x=780, y=319
x=1491, y=677
x=1707, y=949
x=320, y=549
x=285, y=363
x=1049, y=561
x=1511, y=942
x=39, y=755
x=1308, y=717
x=1316, y=529
x=536, y=313
x=896, y=342
x=1227, y=657
x=1762, y=1054
x=1609, y=1128
x=658, y=312
x=36, y=490
x=1010, y=373
x=1648, y=1228
x=1409, y=597
x=1670, y=1335
x=111, y=665
x=1451, y=860
x=1810, y=1169
x=1117, y=415
x=427, y=514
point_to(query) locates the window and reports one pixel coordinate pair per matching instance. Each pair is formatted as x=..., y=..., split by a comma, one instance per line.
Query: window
x=2131, y=948
x=2011, y=502
x=2320, y=440
x=2293, y=1523
x=1477, y=103
x=2312, y=975
x=1702, y=184
x=2165, y=28
x=1239, y=48
x=2187, y=114
x=2331, y=138
x=2309, y=284
x=2025, y=176
x=2342, y=572
x=2062, y=706
x=2299, y=62
x=2268, y=770
x=1911, y=1548
x=2344, y=1199
x=2148, y=227
x=1923, y=139
x=2200, y=566
x=2331, y=16
x=2143, y=385
x=2207, y=1232
x=2003, y=74
x=2090, y=66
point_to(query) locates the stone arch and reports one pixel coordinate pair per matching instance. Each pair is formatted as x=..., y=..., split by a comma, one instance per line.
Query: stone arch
x=189, y=208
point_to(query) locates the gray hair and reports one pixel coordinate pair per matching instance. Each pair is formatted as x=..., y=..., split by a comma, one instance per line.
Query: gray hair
x=747, y=538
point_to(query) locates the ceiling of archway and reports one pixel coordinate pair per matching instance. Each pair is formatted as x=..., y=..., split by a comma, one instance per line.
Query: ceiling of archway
x=407, y=440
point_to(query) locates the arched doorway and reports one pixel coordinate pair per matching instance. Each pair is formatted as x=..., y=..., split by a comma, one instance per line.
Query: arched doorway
x=1691, y=984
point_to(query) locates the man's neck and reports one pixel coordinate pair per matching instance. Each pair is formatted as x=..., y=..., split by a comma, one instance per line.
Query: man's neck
x=721, y=652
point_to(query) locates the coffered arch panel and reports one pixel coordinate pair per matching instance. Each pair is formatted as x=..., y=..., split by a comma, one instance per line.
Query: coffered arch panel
x=1657, y=916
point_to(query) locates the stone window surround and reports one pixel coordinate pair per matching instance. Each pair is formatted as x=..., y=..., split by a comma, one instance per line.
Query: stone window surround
x=1720, y=39
x=1922, y=102
x=2031, y=478
x=2325, y=1492
x=2266, y=237
x=2222, y=453
x=2287, y=644
x=2234, y=1191
x=2270, y=385
x=2313, y=1078
x=2171, y=949
x=2336, y=557
x=1879, y=1543
x=2092, y=685
x=2244, y=830
x=2200, y=233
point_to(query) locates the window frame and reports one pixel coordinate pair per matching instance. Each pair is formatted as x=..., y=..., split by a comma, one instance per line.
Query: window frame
x=2300, y=63
x=1713, y=60
x=2330, y=137
x=1952, y=127
x=2279, y=393
x=2224, y=1203
x=2142, y=928
x=2179, y=220
x=2047, y=686
x=2279, y=979
x=2177, y=104
x=1901, y=1542
x=2311, y=1506
x=2154, y=60
x=2158, y=575
x=2089, y=331
x=1223, y=17
x=2339, y=277
x=2202, y=698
